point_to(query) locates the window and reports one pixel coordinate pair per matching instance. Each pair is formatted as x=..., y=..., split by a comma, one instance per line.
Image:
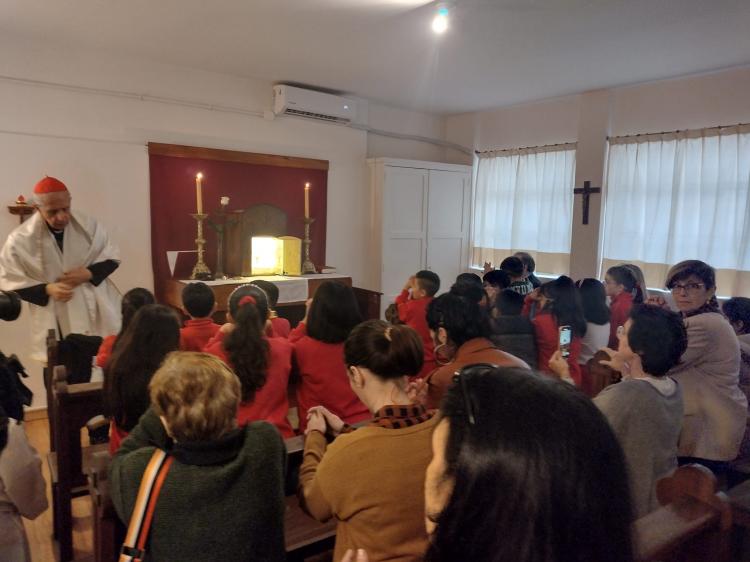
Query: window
x=523, y=200
x=681, y=196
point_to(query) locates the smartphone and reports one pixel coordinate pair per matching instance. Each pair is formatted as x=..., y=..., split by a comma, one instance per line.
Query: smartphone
x=565, y=335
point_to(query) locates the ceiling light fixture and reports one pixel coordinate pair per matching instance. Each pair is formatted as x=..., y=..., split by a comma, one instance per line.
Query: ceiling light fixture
x=440, y=22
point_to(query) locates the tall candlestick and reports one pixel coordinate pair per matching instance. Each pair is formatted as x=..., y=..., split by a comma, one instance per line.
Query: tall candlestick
x=199, y=193
x=307, y=200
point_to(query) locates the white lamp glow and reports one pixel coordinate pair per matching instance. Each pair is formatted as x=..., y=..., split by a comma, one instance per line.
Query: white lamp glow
x=266, y=255
x=440, y=22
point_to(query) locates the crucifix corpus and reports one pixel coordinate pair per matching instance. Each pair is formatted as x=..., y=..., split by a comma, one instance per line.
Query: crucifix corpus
x=586, y=191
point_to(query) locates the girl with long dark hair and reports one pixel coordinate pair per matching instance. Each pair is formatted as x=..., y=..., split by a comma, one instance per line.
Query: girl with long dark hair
x=153, y=332
x=261, y=363
x=597, y=314
x=556, y=304
x=319, y=354
x=623, y=291
x=132, y=301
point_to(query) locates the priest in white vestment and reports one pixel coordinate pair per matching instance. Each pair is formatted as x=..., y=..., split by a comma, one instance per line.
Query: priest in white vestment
x=59, y=262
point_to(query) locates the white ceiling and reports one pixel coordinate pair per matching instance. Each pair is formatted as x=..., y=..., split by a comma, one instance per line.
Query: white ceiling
x=496, y=52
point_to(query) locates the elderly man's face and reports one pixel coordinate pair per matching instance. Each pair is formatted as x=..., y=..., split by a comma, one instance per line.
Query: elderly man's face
x=55, y=209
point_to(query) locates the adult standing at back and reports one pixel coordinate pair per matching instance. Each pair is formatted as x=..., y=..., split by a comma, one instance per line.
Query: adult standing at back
x=59, y=262
x=715, y=407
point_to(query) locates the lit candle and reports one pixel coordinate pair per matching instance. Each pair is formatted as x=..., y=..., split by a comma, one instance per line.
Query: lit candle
x=199, y=193
x=224, y=201
x=307, y=200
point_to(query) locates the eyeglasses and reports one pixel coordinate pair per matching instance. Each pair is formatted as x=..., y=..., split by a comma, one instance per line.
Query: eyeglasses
x=687, y=287
x=461, y=376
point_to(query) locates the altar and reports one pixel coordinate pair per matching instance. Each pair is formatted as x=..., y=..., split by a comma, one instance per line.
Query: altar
x=293, y=293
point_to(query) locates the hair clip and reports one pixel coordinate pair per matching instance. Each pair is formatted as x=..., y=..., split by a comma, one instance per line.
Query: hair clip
x=387, y=333
x=247, y=299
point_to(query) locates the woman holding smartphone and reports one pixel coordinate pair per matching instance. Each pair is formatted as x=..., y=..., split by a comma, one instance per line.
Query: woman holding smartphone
x=556, y=312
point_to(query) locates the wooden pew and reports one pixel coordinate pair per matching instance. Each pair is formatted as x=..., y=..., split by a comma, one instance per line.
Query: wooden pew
x=739, y=498
x=693, y=524
x=72, y=407
x=304, y=535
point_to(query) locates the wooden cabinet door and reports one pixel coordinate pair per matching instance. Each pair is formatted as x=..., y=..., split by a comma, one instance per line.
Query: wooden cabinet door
x=449, y=216
x=404, y=227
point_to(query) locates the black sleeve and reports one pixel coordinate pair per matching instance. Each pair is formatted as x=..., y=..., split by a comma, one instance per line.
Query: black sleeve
x=35, y=295
x=100, y=271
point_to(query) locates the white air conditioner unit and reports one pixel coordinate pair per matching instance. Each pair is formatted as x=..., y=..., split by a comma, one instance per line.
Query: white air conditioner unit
x=289, y=100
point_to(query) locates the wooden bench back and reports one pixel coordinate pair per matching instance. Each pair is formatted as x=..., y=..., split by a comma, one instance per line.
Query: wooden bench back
x=693, y=524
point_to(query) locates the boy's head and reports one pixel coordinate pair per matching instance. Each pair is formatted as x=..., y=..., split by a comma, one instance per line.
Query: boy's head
x=513, y=266
x=495, y=281
x=270, y=289
x=198, y=300
x=427, y=284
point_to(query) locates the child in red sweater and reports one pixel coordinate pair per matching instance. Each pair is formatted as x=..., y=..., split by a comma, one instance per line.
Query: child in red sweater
x=623, y=291
x=261, y=363
x=199, y=302
x=412, y=310
x=555, y=304
x=132, y=301
x=319, y=354
x=279, y=327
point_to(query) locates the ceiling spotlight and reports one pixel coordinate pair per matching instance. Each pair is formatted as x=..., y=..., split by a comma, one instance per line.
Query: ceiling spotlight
x=440, y=22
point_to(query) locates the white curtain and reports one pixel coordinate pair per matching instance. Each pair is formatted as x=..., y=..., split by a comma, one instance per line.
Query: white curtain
x=523, y=200
x=681, y=196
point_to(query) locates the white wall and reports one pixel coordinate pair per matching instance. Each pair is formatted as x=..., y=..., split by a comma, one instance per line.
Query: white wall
x=405, y=122
x=97, y=144
x=717, y=98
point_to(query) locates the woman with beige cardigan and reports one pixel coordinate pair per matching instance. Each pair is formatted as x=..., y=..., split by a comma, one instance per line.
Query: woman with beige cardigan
x=715, y=407
x=373, y=478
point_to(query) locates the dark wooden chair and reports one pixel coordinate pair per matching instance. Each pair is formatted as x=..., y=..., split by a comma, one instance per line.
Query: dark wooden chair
x=73, y=405
x=693, y=524
x=598, y=376
x=304, y=535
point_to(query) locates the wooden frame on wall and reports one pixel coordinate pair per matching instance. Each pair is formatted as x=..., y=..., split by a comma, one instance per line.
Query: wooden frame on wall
x=182, y=151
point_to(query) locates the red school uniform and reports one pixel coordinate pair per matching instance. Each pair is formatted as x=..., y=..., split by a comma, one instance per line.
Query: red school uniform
x=105, y=351
x=270, y=402
x=619, y=311
x=413, y=313
x=281, y=327
x=547, y=336
x=323, y=379
x=197, y=333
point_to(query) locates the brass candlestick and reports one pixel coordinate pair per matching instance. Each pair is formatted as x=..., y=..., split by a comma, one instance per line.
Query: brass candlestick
x=308, y=266
x=200, y=271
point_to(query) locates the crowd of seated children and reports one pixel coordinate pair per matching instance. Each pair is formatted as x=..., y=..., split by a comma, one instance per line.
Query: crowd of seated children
x=199, y=304
x=22, y=486
x=131, y=302
x=511, y=331
x=519, y=282
x=150, y=336
x=737, y=311
x=379, y=503
x=223, y=495
x=553, y=305
x=319, y=354
x=597, y=315
x=412, y=304
x=461, y=329
x=279, y=327
x=623, y=290
x=262, y=364
x=645, y=409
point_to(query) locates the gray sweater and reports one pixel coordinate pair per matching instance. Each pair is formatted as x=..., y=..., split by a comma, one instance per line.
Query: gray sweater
x=647, y=425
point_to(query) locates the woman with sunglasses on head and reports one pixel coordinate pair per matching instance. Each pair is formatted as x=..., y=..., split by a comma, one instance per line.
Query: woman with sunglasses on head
x=515, y=477
x=372, y=479
x=715, y=407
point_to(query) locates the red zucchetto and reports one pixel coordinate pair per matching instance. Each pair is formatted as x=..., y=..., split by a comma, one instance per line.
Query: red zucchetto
x=49, y=185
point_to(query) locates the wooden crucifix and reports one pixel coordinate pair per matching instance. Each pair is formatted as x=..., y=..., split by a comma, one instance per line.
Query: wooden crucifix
x=586, y=191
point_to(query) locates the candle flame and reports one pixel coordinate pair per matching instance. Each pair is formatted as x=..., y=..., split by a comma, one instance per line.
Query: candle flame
x=199, y=175
x=307, y=185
